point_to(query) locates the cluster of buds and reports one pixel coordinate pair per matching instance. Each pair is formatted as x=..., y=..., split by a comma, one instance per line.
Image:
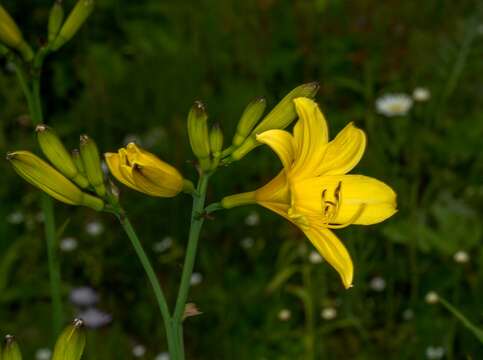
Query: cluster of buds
x=69, y=346
x=207, y=145
x=59, y=32
x=73, y=178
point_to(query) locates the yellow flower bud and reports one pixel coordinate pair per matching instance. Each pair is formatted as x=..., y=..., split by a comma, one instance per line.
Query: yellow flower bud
x=92, y=164
x=55, y=20
x=43, y=176
x=280, y=117
x=70, y=344
x=198, y=134
x=145, y=172
x=74, y=21
x=11, y=351
x=11, y=36
x=55, y=151
x=252, y=114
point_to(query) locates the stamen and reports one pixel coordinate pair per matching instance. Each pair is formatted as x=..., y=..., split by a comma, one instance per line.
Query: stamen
x=351, y=221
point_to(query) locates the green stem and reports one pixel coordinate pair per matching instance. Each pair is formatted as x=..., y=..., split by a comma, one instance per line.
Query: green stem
x=194, y=234
x=148, y=268
x=35, y=109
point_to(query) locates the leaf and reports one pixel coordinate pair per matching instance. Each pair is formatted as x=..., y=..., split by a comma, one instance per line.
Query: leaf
x=467, y=323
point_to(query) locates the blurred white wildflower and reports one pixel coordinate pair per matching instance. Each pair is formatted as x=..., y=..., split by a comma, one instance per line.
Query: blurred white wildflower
x=328, y=313
x=461, y=257
x=421, y=94
x=247, y=242
x=284, y=314
x=252, y=219
x=163, y=245
x=394, y=104
x=408, y=314
x=94, y=228
x=196, y=279
x=83, y=296
x=68, y=244
x=434, y=352
x=132, y=138
x=162, y=356
x=15, y=218
x=377, y=284
x=315, y=257
x=431, y=297
x=138, y=350
x=43, y=354
x=94, y=318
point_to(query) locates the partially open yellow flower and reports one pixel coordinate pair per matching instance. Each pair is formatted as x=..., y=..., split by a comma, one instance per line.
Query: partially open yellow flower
x=313, y=190
x=145, y=172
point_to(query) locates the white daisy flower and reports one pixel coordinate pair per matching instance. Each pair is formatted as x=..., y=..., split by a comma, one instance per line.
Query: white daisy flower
x=431, y=297
x=162, y=356
x=284, y=314
x=378, y=284
x=408, y=314
x=421, y=94
x=43, y=354
x=68, y=244
x=196, y=279
x=139, y=350
x=394, y=105
x=94, y=228
x=328, y=313
x=434, y=352
x=163, y=245
x=315, y=257
x=461, y=257
x=252, y=219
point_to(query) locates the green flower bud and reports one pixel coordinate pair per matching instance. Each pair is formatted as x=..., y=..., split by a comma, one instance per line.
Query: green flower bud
x=198, y=134
x=280, y=117
x=70, y=344
x=74, y=21
x=253, y=112
x=92, y=164
x=76, y=156
x=11, y=36
x=43, y=176
x=55, y=151
x=55, y=20
x=11, y=350
x=216, y=144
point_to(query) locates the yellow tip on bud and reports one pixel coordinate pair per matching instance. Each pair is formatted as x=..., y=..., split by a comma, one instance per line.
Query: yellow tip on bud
x=11, y=35
x=74, y=21
x=198, y=134
x=92, y=164
x=55, y=20
x=71, y=343
x=11, y=350
x=250, y=117
x=43, y=176
x=280, y=117
x=55, y=151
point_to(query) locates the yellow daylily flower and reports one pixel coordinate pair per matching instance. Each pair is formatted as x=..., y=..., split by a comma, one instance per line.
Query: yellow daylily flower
x=145, y=172
x=314, y=192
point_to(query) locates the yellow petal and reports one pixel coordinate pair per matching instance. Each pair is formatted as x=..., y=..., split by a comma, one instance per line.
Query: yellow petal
x=310, y=137
x=276, y=191
x=156, y=182
x=362, y=200
x=114, y=164
x=333, y=251
x=281, y=143
x=344, y=152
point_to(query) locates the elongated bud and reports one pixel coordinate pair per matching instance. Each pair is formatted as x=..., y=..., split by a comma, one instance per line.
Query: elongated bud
x=216, y=144
x=280, y=117
x=74, y=21
x=250, y=117
x=76, y=156
x=92, y=164
x=198, y=134
x=70, y=344
x=43, y=176
x=55, y=20
x=11, y=36
x=55, y=151
x=11, y=350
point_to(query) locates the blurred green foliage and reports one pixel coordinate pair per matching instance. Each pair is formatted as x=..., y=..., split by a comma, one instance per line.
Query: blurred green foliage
x=133, y=72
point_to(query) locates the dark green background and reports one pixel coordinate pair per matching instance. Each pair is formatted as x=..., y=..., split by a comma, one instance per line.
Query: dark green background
x=136, y=67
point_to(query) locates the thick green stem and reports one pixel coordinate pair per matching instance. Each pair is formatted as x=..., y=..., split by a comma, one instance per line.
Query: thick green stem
x=194, y=234
x=35, y=109
x=148, y=268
